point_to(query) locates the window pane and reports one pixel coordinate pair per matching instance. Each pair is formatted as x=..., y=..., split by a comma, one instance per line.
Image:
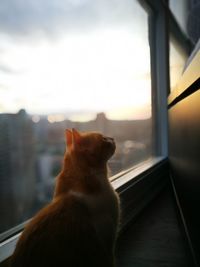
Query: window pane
x=180, y=10
x=177, y=62
x=64, y=64
x=186, y=13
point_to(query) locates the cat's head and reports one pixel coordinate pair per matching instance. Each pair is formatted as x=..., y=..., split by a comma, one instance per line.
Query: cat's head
x=92, y=147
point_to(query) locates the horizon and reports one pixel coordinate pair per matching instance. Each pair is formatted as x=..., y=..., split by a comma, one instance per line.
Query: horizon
x=60, y=117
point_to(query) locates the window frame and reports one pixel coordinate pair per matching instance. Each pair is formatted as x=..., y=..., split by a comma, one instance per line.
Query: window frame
x=155, y=171
x=159, y=53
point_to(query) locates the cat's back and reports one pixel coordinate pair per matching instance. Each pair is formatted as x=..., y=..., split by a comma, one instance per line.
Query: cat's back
x=61, y=234
x=79, y=227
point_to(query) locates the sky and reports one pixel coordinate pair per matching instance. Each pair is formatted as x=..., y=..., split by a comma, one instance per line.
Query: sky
x=75, y=57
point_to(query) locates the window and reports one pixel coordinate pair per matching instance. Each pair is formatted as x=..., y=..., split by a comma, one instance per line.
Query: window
x=178, y=58
x=180, y=10
x=185, y=32
x=186, y=13
x=64, y=64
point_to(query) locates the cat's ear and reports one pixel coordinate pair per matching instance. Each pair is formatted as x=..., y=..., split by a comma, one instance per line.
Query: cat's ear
x=76, y=137
x=69, y=138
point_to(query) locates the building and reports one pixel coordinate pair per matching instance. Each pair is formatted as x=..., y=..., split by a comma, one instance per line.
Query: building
x=17, y=169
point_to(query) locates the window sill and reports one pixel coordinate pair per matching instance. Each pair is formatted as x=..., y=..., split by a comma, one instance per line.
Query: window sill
x=120, y=180
x=136, y=187
x=140, y=186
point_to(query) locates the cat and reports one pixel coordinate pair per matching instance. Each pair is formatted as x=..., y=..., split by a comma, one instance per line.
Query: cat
x=79, y=227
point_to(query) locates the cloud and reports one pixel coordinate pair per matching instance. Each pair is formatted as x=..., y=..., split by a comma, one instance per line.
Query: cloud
x=6, y=69
x=29, y=17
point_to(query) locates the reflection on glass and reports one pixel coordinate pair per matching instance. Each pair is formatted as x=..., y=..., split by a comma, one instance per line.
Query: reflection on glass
x=82, y=64
x=180, y=10
x=177, y=62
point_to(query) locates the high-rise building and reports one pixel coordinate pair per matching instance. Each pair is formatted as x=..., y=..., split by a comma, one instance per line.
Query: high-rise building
x=17, y=169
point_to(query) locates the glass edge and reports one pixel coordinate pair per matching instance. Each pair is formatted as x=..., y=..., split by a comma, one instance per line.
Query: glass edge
x=12, y=231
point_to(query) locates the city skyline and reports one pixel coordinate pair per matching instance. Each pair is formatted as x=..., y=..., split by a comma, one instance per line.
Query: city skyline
x=79, y=116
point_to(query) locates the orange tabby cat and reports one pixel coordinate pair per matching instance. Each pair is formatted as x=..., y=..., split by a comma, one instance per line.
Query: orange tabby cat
x=78, y=228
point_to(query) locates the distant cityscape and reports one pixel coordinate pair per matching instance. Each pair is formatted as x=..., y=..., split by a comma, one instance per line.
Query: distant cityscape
x=31, y=155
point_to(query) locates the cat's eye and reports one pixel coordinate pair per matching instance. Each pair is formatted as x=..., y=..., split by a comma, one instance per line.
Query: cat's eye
x=108, y=139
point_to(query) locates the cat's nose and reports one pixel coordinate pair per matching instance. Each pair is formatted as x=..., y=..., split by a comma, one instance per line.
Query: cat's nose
x=111, y=141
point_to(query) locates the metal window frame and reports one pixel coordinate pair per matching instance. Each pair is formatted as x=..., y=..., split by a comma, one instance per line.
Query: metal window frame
x=159, y=48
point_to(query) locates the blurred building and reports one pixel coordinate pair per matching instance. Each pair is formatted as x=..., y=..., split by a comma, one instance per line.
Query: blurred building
x=17, y=170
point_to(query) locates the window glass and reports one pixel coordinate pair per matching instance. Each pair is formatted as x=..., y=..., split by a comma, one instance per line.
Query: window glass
x=178, y=59
x=82, y=64
x=186, y=13
x=180, y=10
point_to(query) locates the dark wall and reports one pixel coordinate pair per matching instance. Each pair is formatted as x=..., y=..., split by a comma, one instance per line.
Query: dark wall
x=184, y=147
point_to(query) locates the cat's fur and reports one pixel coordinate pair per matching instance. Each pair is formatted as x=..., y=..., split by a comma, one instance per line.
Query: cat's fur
x=78, y=228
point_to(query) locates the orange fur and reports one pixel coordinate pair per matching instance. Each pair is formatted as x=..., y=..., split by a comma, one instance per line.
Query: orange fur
x=78, y=228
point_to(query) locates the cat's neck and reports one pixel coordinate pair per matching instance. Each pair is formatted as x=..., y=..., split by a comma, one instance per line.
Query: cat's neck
x=80, y=177
x=76, y=166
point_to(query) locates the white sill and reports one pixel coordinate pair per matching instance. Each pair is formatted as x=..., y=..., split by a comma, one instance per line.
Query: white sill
x=7, y=247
